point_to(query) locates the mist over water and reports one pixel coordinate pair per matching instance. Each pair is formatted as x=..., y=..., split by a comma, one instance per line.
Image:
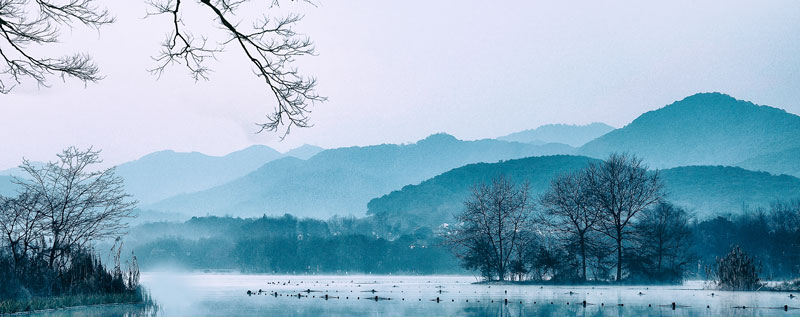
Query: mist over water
x=204, y=294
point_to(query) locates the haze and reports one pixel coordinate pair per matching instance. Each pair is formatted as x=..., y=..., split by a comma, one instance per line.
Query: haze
x=398, y=72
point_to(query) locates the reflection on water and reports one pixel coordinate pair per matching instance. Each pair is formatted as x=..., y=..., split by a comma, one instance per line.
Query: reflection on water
x=226, y=295
x=102, y=310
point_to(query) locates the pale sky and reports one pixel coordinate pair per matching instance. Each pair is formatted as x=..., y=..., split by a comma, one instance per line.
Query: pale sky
x=397, y=71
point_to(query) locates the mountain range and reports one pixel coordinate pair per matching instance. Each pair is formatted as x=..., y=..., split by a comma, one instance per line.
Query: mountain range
x=164, y=174
x=703, y=129
x=342, y=181
x=572, y=135
x=693, y=141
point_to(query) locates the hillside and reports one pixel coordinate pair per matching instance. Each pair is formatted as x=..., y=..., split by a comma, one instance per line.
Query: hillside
x=18, y=172
x=435, y=200
x=164, y=174
x=304, y=152
x=342, y=181
x=713, y=190
x=7, y=188
x=703, y=129
x=706, y=190
x=783, y=162
x=167, y=173
x=572, y=135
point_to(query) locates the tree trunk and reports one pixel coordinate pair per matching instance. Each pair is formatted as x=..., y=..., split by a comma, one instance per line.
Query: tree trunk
x=619, y=259
x=52, y=258
x=583, y=257
x=659, y=262
x=500, y=271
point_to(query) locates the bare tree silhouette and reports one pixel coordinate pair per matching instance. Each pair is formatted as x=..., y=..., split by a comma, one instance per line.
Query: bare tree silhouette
x=269, y=43
x=621, y=187
x=495, y=224
x=23, y=24
x=570, y=213
x=75, y=203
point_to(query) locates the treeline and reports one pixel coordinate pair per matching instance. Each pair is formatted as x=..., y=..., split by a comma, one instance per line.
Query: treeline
x=48, y=231
x=610, y=222
x=770, y=235
x=362, y=245
x=291, y=245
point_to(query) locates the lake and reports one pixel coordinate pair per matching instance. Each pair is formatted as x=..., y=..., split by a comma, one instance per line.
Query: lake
x=199, y=294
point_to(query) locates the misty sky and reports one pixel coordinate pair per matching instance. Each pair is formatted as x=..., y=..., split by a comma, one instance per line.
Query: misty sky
x=396, y=71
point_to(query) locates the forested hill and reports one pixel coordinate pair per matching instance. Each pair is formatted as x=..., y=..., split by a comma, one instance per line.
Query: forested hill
x=435, y=200
x=705, y=190
x=342, y=181
x=702, y=129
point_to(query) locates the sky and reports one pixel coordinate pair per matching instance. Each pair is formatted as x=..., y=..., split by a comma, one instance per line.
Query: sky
x=397, y=71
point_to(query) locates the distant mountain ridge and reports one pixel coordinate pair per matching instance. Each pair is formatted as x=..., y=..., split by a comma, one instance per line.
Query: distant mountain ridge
x=572, y=135
x=702, y=129
x=783, y=162
x=706, y=190
x=164, y=174
x=342, y=181
x=304, y=152
x=16, y=171
x=167, y=173
x=7, y=188
x=719, y=190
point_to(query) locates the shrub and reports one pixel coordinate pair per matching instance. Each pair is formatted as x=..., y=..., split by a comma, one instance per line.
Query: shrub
x=737, y=271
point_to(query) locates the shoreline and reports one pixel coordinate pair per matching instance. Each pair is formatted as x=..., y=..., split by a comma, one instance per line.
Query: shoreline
x=55, y=303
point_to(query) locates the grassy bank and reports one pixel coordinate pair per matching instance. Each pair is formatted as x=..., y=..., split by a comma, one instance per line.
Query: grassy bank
x=57, y=302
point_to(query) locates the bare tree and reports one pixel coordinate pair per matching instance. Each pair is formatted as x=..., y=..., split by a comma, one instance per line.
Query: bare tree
x=20, y=226
x=621, y=187
x=270, y=44
x=77, y=205
x=785, y=216
x=663, y=239
x=24, y=23
x=494, y=225
x=569, y=211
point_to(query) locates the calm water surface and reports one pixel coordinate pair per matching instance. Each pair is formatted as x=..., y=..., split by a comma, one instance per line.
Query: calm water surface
x=187, y=294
